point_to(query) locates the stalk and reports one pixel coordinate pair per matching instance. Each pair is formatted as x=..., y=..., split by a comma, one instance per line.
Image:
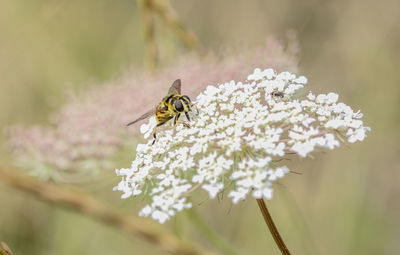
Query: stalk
x=4, y=249
x=272, y=228
x=80, y=201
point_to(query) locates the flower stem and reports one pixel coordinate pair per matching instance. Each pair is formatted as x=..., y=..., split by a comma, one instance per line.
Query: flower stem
x=272, y=228
x=168, y=15
x=210, y=234
x=149, y=33
x=80, y=201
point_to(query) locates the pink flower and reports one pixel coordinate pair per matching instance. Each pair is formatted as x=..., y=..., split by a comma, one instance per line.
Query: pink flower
x=86, y=133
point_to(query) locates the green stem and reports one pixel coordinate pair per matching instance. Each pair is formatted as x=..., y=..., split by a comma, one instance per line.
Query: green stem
x=299, y=222
x=177, y=228
x=210, y=234
x=272, y=228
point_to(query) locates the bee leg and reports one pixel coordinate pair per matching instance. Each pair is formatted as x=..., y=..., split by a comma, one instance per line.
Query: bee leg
x=155, y=131
x=183, y=123
x=154, y=134
x=197, y=109
x=159, y=123
x=187, y=116
x=176, y=119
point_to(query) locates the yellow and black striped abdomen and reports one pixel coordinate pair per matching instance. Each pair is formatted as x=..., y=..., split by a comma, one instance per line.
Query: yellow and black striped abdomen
x=166, y=110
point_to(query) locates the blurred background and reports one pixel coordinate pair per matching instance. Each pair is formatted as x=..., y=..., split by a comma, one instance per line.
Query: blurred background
x=345, y=202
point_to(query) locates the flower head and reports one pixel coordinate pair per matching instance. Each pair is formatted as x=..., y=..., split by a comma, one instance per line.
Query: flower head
x=86, y=134
x=235, y=141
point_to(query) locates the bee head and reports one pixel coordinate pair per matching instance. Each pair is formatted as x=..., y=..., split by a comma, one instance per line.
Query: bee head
x=182, y=104
x=186, y=98
x=178, y=105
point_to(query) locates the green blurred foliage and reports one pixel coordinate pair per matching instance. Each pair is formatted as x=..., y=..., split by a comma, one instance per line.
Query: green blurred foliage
x=345, y=202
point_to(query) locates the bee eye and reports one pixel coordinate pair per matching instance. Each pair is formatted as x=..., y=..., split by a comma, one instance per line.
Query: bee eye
x=178, y=105
x=186, y=98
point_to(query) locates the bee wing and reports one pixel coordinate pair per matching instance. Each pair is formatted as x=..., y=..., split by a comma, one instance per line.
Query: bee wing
x=175, y=87
x=144, y=116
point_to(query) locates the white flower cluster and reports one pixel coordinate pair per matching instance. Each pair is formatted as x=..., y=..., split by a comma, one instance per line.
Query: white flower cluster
x=235, y=141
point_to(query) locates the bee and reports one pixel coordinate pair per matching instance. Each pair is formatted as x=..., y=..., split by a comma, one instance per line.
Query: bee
x=171, y=106
x=277, y=94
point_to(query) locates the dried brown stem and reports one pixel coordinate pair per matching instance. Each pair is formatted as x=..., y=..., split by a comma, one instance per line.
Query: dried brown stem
x=4, y=249
x=81, y=201
x=272, y=228
x=149, y=33
x=169, y=16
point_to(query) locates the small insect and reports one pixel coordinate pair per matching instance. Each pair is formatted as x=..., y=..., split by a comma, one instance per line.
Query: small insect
x=171, y=106
x=277, y=94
